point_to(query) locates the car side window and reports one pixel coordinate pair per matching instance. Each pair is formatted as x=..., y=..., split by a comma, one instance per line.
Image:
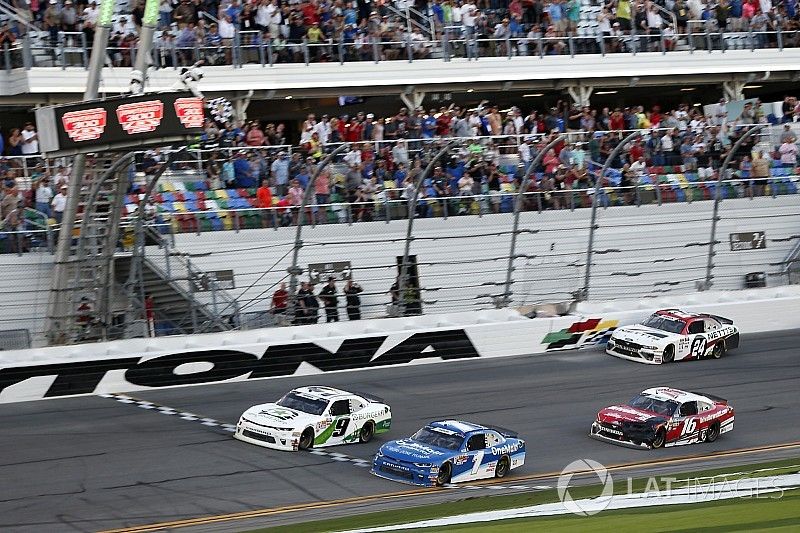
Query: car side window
x=476, y=442
x=711, y=325
x=697, y=327
x=703, y=406
x=688, y=408
x=493, y=439
x=340, y=407
x=356, y=405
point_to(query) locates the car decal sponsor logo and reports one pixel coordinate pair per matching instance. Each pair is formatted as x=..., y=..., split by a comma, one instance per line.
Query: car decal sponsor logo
x=459, y=460
x=505, y=449
x=581, y=333
x=280, y=413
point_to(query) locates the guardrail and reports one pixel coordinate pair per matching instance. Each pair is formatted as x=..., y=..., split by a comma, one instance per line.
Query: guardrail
x=252, y=47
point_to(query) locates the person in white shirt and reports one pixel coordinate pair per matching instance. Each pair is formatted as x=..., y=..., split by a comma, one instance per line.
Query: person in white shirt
x=639, y=167
x=525, y=155
x=44, y=194
x=263, y=15
x=30, y=140
x=323, y=129
x=353, y=157
x=59, y=203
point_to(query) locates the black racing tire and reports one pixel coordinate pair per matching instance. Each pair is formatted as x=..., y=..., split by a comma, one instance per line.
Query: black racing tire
x=306, y=439
x=669, y=354
x=712, y=433
x=719, y=350
x=503, y=467
x=659, y=439
x=367, y=431
x=445, y=473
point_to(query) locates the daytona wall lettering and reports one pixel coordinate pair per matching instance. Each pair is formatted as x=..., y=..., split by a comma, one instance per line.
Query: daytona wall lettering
x=83, y=377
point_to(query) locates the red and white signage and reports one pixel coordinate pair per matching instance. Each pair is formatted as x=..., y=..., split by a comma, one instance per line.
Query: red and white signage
x=141, y=117
x=190, y=112
x=86, y=125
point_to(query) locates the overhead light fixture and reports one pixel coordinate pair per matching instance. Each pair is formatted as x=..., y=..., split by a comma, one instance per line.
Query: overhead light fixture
x=752, y=87
x=470, y=90
x=606, y=92
x=532, y=95
x=288, y=97
x=697, y=104
x=688, y=89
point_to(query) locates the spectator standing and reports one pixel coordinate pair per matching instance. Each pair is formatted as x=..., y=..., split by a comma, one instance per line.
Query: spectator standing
x=59, y=203
x=759, y=171
x=353, y=300
x=15, y=222
x=330, y=300
x=280, y=300
x=30, y=140
x=43, y=196
x=69, y=17
x=788, y=151
x=280, y=173
x=51, y=19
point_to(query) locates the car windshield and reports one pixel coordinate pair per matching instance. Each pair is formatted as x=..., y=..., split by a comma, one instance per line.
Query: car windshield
x=432, y=437
x=664, y=324
x=648, y=403
x=301, y=403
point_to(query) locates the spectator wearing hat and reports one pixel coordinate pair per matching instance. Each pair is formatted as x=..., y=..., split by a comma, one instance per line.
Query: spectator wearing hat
x=51, y=19
x=59, y=204
x=279, y=171
x=69, y=17
x=43, y=195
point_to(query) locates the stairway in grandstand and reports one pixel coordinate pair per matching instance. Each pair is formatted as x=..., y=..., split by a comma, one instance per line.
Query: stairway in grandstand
x=176, y=309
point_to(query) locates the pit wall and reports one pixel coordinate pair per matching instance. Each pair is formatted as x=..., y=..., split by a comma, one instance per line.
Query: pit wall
x=144, y=364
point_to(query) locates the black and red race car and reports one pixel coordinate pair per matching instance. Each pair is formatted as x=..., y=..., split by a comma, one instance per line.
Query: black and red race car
x=663, y=416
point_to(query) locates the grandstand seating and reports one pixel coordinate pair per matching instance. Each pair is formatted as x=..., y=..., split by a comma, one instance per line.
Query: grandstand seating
x=190, y=207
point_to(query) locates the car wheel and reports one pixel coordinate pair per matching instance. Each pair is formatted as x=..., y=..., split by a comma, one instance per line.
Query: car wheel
x=306, y=439
x=367, y=431
x=445, y=472
x=712, y=433
x=660, y=439
x=503, y=467
x=669, y=354
x=719, y=350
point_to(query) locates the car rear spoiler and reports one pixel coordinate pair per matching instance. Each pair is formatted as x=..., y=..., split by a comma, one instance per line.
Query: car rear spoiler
x=505, y=432
x=722, y=319
x=371, y=397
x=712, y=397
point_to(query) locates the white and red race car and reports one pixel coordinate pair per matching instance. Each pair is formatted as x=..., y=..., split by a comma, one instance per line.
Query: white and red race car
x=663, y=416
x=672, y=335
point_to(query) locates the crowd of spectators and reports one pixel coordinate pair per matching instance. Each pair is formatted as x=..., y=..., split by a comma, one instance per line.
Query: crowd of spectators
x=206, y=29
x=386, y=156
x=388, y=153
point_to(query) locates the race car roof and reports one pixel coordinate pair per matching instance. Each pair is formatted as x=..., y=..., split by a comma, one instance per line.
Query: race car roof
x=457, y=426
x=677, y=395
x=677, y=314
x=320, y=392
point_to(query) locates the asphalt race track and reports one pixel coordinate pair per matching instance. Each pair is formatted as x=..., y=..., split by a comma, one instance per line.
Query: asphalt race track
x=92, y=463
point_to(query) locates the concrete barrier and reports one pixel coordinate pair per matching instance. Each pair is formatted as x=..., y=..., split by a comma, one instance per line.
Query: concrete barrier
x=142, y=364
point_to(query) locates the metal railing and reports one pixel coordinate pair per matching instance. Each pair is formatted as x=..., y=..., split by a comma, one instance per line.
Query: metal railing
x=250, y=47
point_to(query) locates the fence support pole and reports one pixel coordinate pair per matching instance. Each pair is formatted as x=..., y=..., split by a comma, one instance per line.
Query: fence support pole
x=412, y=209
x=706, y=284
x=505, y=300
x=294, y=270
x=584, y=292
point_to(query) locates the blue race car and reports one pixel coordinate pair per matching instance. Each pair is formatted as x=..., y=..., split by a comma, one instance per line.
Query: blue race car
x=450, y=451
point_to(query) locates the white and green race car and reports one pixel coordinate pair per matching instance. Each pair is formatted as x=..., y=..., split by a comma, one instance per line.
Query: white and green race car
x=310, y=417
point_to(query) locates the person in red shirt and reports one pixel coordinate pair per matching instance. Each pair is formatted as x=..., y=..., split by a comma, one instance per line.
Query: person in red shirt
x=264, y=200
x=636, y=151
x=280, y=300
x=617, y=120
x=354, y=131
